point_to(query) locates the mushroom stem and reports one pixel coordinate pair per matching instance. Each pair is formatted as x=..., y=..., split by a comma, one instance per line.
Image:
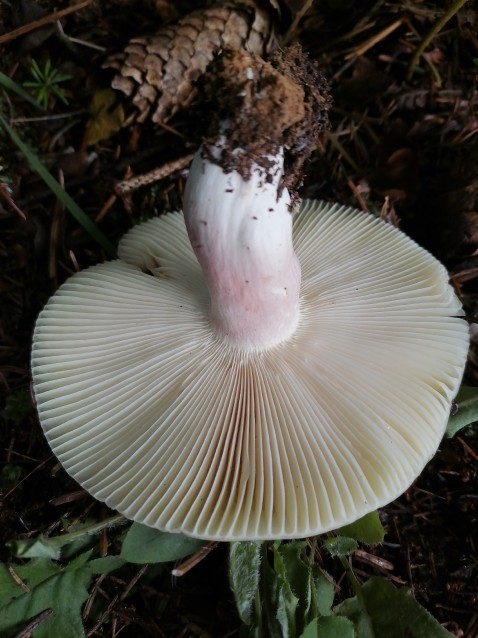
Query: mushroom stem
x=241, y=232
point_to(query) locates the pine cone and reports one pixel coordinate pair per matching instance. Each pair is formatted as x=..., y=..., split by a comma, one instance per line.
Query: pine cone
x=158, y=71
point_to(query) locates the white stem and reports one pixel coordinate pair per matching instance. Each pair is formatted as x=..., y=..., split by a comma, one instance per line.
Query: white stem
x=242, y=236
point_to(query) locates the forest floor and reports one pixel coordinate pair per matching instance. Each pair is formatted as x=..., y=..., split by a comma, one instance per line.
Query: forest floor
x=403, y=143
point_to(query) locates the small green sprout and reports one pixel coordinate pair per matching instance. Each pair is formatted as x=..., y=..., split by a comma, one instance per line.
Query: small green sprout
x=45, y=83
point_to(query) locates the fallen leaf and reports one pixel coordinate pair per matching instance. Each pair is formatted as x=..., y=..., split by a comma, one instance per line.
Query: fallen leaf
x=106, y=116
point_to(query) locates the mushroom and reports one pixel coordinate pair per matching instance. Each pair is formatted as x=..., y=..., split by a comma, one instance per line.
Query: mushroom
x=242, y=372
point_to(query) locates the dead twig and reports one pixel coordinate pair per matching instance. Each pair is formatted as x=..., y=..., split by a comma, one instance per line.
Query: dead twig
x=6, y=195
x=133, y=582
x=133, y=183
x=358, y=195
x=375, y=39
x=34, y=623
x=18, y=580
x=191, y=562
x=466, y=447
x=35, y=469
x=52, y=17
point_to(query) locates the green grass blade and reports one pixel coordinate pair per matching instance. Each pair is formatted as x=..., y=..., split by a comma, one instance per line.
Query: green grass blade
x=12, y=86
x=61, y=194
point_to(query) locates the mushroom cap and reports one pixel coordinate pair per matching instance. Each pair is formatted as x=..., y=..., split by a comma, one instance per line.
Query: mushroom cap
x=156, y=416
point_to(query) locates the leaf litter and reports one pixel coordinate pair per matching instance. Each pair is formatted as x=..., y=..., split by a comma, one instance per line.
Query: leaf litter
x=401, y=144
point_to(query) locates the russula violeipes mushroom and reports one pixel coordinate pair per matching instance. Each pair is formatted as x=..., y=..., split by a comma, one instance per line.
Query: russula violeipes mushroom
x=245, y=373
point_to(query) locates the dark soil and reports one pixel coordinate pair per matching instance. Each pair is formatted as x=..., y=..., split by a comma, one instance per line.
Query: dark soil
x=401, y=144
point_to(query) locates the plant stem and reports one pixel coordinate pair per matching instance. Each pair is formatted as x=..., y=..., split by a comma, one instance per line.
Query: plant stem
x=357, y=589
x=455, y=6
x=94, y=528
x=267, y=627
x=258, y=614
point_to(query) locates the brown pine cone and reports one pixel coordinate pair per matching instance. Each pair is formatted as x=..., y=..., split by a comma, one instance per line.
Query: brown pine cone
x=157, y=72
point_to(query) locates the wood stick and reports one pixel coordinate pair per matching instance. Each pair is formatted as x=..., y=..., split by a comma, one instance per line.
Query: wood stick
x=37, y=24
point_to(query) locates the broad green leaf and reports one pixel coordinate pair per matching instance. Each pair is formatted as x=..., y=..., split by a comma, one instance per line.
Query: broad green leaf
x=287, y=601
x=330, y=627
x=367, y=529
x=299, y=576
x=270, y=596
x=63, y=589
x=382, y=610
x=144, y=544
x=50, y=547
x=106, y=564
x=324, y=592
x=311, y=630
x=244, y=576
x=39, y=547
x=467, y=410
x=286, y=610
x=340, y=545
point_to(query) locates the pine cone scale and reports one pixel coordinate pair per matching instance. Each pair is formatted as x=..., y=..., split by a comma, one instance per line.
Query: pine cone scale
x=157, y=72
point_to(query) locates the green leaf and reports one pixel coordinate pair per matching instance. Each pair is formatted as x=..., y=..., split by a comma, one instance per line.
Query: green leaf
x=382, y=610
x=63, y=589
x=330, y=627
x=244, y=576
x=286, y=610
x=106, y=564
x=144, y=544
x=50, y=547
x=39, y=547
x=287, y=601
x=324, y=591
x=299, y=576
x=340, y=545
x=367, y=529
x=69, y=203
x=467, y=410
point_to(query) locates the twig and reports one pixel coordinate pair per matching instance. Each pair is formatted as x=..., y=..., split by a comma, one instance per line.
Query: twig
x=132, y=184
x=375, y=561
x=470, y=450
x=455, y=6
x=105, y=208
x=133, y=582
x=103, y=617
x=68, y=498
x=6, y=195
x=34, y=623
x=18, y=580
x=298, y=17
x=339, y=147
x=35, y=469
x=46, y=118
x=83, y=43
x=358, y=196
x=375, y=39
x=188, y=564
x=52, y=17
